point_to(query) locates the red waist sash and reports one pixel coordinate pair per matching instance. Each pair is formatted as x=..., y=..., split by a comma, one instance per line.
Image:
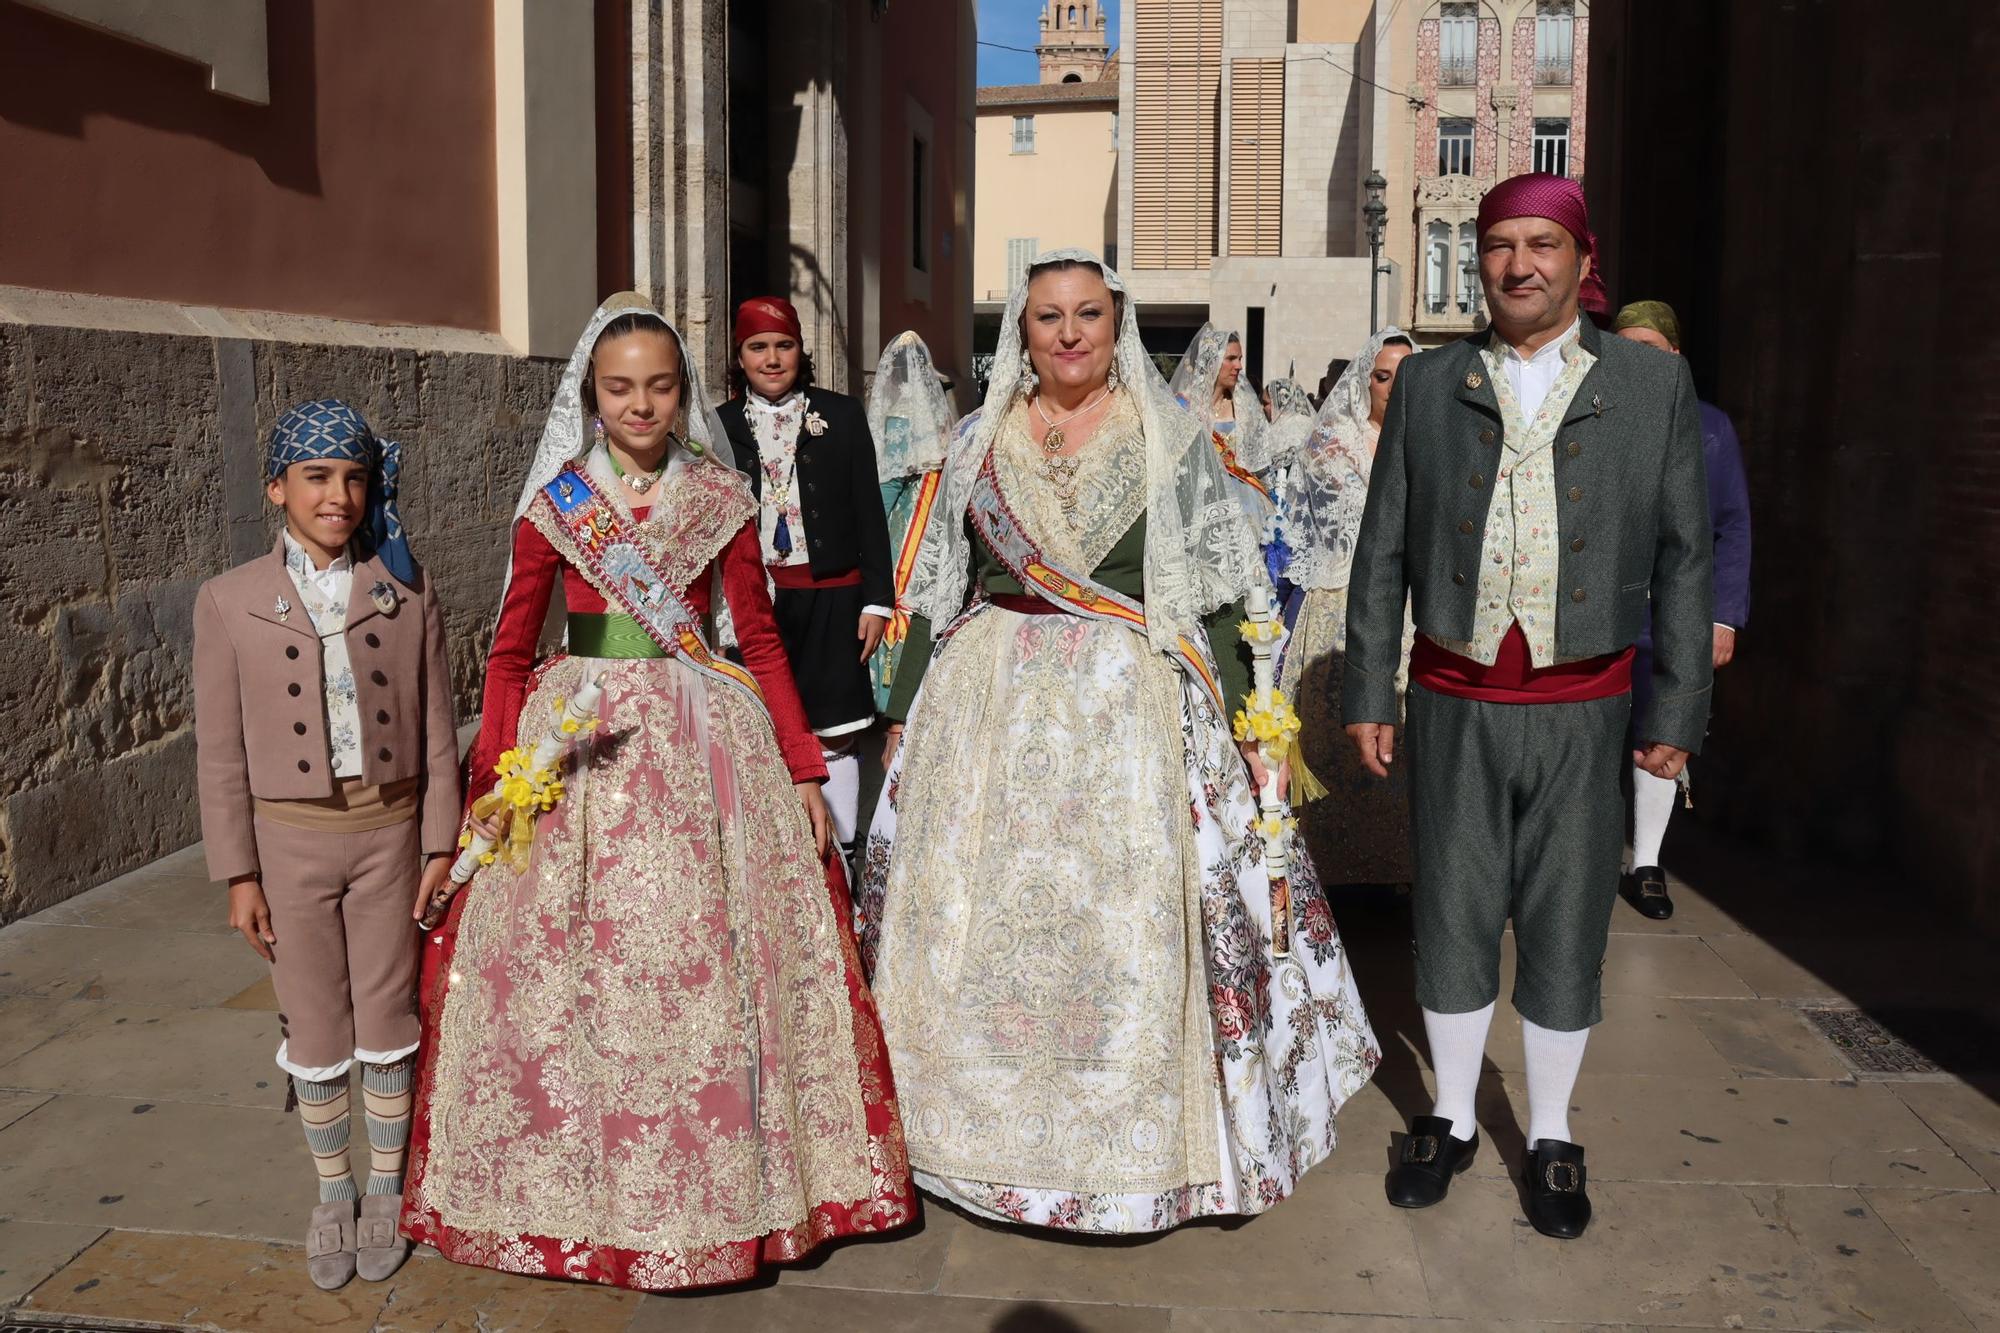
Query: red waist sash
x=1514, y=679
x=801, y=576
x=1025, y=603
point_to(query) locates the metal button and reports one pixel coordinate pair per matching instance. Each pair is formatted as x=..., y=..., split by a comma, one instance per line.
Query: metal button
x=292, y=690
x=1576, y=492
x=1576, y=545
x=373, y=642
x=292, y=651
x=1459, y=579
x=1572, y=448
x=378, y=678
x=382, y=715
x=1477, y=481
x=1577, y=596
x=298, y=728
x=1465, y=526
x=305, y=767
x=1486, y=437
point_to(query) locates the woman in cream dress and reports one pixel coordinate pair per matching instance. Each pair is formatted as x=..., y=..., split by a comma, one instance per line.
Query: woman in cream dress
x=1102, y=1012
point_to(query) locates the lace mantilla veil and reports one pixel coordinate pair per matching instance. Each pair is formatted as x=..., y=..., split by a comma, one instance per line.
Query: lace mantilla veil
x=1319, y=510
x=567, y=436
x=908, y=413
x=1194, y=384
x=1291, y=421
x=1200, y=551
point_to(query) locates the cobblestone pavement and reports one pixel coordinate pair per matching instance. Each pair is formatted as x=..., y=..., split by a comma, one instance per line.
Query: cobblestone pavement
x=1745, y=1175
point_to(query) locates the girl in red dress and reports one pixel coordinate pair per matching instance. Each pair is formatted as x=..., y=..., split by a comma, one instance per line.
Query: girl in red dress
x=650, y=1059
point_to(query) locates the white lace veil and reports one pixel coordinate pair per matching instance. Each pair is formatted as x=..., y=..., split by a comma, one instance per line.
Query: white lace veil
x=1194, y=384
x=567, y=436
x=908, y=413
x=1201, y=553
x=1291, y=421
x=1319, y=509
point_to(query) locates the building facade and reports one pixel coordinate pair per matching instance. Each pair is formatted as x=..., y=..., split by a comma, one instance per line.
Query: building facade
x=1240, y=181
x=1494, y=88
x=226, y=206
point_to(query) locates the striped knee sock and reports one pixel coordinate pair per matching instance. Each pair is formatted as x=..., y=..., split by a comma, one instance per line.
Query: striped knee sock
x=385, y=1101
x=323, y=1110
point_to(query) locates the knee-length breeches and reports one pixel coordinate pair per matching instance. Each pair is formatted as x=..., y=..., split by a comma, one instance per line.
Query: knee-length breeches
x=1515, y=810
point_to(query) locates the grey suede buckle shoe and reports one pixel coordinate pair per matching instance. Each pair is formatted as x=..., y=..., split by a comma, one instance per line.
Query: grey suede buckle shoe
x=379, y=1251
x=330, y=1244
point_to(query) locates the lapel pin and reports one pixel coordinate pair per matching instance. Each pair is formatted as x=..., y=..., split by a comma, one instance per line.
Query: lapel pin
x=283, y=608
x=1473, y=379
x=383, y=596
x=815, y=424
x=1597, y=404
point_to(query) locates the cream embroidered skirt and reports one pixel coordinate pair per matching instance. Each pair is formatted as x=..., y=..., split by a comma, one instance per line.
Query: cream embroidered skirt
x=1071, y=941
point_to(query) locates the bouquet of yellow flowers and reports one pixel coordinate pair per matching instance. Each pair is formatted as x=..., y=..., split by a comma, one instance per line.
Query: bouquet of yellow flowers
x=528, y=784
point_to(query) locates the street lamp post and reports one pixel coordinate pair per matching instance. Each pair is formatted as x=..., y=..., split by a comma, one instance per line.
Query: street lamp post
x=1376, y=213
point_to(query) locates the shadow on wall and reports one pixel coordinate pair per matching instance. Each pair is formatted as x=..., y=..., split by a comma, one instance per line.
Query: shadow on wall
x=129, y=82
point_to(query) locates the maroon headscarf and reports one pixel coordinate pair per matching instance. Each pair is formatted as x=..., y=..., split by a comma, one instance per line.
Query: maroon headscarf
x=1538, y=194
x=767, y=314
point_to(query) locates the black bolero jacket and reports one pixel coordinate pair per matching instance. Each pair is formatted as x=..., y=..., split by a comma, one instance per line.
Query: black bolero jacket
x=839, y=495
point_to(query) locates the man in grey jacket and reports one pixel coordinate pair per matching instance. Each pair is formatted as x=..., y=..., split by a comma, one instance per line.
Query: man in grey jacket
x=1536, y=487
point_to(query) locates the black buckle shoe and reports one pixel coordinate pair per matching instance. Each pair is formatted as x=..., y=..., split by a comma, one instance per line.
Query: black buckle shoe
x=1646, y=890
x=1557, y=1203
x=1431, y=1157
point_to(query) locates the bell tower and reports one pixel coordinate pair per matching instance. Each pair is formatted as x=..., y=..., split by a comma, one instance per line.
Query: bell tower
x=1074, y=47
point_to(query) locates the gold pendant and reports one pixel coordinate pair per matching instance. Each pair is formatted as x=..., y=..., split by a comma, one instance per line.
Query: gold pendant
x=1053, y=442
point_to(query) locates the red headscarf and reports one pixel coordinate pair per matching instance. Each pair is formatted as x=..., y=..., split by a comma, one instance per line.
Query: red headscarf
x=1538, y=194
x=767, y=314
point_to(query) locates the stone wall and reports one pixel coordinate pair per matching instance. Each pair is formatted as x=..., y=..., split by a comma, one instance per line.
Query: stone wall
x=130, y=471
x=1815, y=195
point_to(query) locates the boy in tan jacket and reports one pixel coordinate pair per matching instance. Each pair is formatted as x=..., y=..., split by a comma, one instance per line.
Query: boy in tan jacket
x=328, y=767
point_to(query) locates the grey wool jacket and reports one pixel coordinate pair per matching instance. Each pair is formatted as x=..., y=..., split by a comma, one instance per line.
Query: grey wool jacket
x=1632, y=517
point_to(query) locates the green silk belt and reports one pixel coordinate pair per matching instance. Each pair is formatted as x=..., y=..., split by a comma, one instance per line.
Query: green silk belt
x=609, y=634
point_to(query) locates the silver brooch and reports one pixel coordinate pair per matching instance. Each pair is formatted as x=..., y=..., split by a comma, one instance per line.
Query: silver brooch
x=815, y=424
x=1473, y=379
x=283, y=608
x=383, y=596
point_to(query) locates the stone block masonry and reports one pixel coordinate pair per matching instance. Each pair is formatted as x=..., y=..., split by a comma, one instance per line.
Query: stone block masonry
x=130, y=471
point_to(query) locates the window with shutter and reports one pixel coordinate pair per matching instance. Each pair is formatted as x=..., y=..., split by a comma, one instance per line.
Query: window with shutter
x=1256, y=156
x=1177, y=79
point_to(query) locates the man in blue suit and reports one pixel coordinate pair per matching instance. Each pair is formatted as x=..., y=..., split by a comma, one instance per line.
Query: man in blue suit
x=1655, y=324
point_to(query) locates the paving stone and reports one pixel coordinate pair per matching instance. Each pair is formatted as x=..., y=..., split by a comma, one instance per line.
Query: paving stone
x=1334, y=1246
x=183, y=1055
x=173, y=893
x=262, y=995
x=1757, y=1130
x=172, y=1166
x=26, y=1021
x=207, y=1281
x=433, y=1293
x=789, y=1309
x=1965, y=1117
x=14, y=1105
x=30, y=1251
x=1764, y=1039
x=97, y=963
x=1640, y=1034
x=1952, y=1236
x=1680, y=1255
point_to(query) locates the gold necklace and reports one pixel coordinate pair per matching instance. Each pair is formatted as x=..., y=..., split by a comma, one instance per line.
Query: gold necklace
x=1054, y=440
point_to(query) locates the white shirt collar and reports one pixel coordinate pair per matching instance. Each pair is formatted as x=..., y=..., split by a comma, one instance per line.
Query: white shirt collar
x=763, y=404
x=297, y=558
x=1548, y=351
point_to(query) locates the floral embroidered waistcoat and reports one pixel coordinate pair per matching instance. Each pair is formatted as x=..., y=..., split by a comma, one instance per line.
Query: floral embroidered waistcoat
x=326, y=606
x=1519, y=558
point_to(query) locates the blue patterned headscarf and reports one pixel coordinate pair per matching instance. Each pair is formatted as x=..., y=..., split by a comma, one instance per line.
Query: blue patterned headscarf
x=330, y=428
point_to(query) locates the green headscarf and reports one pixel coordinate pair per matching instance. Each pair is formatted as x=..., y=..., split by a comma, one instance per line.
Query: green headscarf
x=1655, y=315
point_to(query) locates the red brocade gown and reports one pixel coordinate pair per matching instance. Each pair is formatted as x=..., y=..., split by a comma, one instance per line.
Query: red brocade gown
x=649, y=1057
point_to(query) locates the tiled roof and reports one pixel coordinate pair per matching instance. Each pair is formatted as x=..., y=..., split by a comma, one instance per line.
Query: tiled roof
x=1026, y=94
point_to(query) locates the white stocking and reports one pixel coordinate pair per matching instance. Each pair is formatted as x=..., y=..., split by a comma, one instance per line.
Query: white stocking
x=1458, y=1047
x=1652, y=807
x=842, y=793
x=1553, y=1059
